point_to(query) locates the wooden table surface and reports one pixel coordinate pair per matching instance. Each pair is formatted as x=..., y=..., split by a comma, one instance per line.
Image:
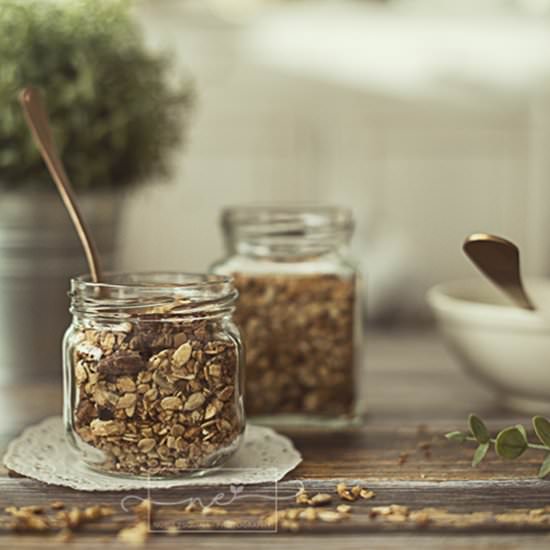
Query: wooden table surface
x=415, y=393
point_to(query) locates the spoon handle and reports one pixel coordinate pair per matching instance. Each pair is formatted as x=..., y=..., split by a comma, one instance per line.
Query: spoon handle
x=37, y=120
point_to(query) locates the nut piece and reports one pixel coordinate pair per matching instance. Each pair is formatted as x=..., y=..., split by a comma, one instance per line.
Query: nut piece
x=136, y=535
x=182, y=355
x=103, y=428
x=329, y=516
x=354, y=493
x=145, y=445
x=121, y=362
x=320, y=499
x=344, y=493
x=309, y=514
x=171, y=403
x=126, y=384
x=211, y=411
x=194, y=401
x=126, y=401
x=302, y=497
x=391, y=510
x=144, y=509
x=343, y=508
x=74, y=517
x=366, y=494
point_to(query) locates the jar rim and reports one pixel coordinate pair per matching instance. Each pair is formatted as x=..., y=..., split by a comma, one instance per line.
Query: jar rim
x=142, y=293
x=144, y=280
x=286, y=230
x=311, y=215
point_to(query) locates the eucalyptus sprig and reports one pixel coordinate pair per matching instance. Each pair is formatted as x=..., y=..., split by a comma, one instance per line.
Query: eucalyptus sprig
x=509, y=443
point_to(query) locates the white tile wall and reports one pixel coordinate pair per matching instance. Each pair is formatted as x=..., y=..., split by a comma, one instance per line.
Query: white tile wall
x=419, y=175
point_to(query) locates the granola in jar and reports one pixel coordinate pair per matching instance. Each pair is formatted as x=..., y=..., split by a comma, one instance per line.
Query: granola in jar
x=153, y=374
x=300, y=346
x=298, y=311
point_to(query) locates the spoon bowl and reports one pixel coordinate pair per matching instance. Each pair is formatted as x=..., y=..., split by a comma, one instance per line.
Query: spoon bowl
x=498, y=259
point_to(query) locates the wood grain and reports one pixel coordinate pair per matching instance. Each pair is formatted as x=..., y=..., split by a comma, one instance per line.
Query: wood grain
x=415, y=395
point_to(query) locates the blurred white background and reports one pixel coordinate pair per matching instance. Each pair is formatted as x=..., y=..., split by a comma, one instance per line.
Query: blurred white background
x=430, y=119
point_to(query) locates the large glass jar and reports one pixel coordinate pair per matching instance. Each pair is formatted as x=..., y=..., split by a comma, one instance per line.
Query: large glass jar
x=298, y=311
x=153, y=373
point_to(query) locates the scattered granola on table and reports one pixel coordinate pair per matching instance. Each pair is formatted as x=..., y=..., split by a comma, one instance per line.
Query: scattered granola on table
x=67, y=524
x=26, y=519
x=353, y=493
x=319, y=499
x=135, y=535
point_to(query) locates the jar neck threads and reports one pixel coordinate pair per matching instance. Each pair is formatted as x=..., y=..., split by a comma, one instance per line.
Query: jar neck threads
x=286, y=231
x=152, y=296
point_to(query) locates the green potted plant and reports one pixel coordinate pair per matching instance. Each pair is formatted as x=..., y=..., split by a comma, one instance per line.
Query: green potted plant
x=115, y=118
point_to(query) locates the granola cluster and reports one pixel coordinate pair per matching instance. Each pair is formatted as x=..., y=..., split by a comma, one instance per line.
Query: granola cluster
x=158, y=398
x=299, y=336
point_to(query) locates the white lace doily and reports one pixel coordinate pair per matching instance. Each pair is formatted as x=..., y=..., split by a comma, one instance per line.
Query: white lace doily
x=42, y=453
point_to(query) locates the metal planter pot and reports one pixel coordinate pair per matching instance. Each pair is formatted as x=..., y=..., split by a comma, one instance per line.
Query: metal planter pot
x=39, y=252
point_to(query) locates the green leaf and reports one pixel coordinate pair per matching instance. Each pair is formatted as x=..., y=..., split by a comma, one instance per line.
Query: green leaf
x=478, y=429
x=456, y=436
x=545, y=468
x=542, y=429
x=521, y=428
x=510, y=443
x=480, y=453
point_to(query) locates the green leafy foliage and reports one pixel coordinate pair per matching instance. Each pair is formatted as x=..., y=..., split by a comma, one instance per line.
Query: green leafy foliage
x=480, y=453
x=545, y=467
x=542, y=428
x=478, y=429
x=114, y=115
x=522, y=430
x=510, y=443
x=456, y=436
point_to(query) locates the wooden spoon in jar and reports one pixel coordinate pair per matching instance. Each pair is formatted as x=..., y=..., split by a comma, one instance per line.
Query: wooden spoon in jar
x=37, y=120
x=498, y=260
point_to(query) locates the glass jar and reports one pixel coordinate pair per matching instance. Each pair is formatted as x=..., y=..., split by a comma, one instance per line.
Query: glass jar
x=153, y=373
x=298, y=311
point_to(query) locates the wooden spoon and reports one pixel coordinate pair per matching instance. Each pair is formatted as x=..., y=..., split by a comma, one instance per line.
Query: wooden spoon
x=37, y=120
x=498, y=260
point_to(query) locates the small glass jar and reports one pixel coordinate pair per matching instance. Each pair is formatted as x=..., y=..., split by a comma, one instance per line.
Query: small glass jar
x=153, y=374
x=298, y=311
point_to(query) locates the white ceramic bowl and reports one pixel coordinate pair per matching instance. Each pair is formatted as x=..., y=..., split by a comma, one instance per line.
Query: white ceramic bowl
x=504, y=347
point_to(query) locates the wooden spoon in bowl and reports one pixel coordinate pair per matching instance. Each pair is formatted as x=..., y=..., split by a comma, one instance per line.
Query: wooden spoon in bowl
x=498, y=259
